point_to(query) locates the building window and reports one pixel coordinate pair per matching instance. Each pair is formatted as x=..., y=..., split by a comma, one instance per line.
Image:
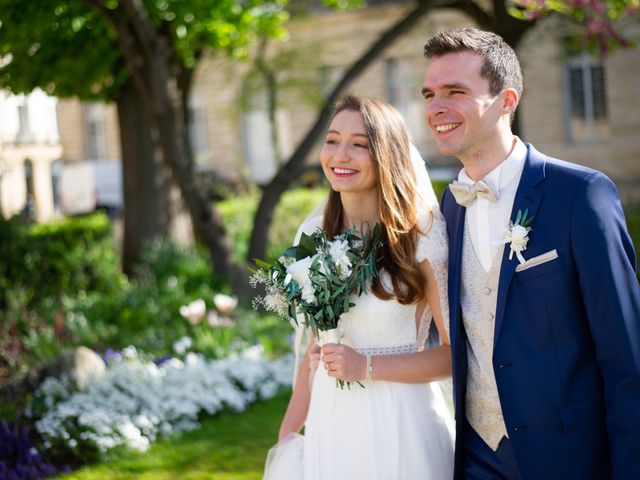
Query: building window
x=96, y=148
x=403, y=92
x=198, y=138
x=586, y=100
x=259, y=147
x=24, y=125
x=29, y=206
x=56, y=172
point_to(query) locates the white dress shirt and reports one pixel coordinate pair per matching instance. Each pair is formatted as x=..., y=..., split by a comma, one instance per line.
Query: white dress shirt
x=487, y=221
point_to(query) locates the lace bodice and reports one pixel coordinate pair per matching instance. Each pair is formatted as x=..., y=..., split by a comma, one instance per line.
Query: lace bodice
x=379, y=327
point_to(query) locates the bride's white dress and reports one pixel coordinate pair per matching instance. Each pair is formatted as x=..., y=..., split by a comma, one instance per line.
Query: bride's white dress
x=387, y=430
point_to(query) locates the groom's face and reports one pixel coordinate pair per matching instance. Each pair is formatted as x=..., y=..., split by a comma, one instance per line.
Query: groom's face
x=460, y=110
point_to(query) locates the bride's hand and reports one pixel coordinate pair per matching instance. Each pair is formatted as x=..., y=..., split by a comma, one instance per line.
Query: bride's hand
x=344, y=362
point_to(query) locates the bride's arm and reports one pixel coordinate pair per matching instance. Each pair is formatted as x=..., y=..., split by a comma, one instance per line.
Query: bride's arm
x=428, y=365
x=296, y=413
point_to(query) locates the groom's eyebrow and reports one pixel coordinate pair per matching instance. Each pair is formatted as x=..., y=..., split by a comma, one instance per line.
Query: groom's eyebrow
x=446, y=86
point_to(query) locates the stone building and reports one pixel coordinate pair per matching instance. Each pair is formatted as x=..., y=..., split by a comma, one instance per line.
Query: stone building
x=575, y=107
x=30, y=154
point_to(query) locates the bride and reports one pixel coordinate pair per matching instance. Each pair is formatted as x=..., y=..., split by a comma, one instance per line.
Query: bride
x=397, y=427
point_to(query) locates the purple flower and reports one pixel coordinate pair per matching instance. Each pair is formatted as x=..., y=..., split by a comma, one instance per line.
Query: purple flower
x=111, y=355
x=160, y=360
x=19, y=457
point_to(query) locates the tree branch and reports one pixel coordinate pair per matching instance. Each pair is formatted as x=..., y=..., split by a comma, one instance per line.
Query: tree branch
x=473, y=10
x=294, y=166
x=128, y=47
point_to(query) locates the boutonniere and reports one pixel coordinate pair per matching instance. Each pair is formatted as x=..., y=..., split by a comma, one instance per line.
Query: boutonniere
x=517, y=235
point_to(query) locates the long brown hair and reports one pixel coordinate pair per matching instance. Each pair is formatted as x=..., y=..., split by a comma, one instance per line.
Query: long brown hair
x=389, y=150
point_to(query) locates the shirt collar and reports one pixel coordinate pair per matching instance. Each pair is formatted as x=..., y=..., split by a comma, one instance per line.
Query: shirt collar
x=506, y=171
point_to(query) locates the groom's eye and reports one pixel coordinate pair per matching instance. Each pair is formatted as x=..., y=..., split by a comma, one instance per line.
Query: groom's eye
x=455, y=92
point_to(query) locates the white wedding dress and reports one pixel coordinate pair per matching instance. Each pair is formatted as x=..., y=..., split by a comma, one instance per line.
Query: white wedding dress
x=387, y=430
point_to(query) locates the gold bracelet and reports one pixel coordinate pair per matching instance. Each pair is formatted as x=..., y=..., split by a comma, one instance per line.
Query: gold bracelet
x=369, y=372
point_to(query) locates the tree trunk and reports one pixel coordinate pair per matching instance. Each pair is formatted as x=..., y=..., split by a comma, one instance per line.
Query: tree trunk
x=292, y=169
x=152, y=203
x=162, y=83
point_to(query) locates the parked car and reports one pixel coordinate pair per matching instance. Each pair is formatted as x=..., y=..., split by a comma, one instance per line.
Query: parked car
x=91, y=185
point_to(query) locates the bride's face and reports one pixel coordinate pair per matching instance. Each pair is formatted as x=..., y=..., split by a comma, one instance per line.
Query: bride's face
x=345, y=156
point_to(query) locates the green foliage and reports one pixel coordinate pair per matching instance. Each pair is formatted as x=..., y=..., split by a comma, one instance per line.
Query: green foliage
x=597, y=19
x=56, y=259
x=66, y=257
x=69, y=48
x=146, y=312
x=41, y=267
x=632, y=215
x=238, y=214
x=439, y=186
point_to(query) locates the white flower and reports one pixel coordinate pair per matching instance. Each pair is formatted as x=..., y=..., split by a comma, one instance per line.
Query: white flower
x=299, y=272
x=136, y=402
x=275, y=301
x=338, y=250
x=182, y=345
x=194, y=311
x=130, y=352
x=216, y=321
x=225, y=303
x=517, y=236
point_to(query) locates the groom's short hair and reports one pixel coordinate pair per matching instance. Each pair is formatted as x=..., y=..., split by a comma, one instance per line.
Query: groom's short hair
x=500, y=63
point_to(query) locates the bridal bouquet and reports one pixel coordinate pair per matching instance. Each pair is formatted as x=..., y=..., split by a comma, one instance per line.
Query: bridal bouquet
x=318, y=278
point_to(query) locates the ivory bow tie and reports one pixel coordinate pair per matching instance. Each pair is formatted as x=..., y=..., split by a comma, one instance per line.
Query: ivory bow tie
x=465, y=194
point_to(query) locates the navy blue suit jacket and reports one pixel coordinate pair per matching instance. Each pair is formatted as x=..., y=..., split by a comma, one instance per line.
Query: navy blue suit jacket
x=567, y=332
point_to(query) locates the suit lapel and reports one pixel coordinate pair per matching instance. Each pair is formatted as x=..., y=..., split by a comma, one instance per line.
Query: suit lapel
x=455, y=273
x=527, y=197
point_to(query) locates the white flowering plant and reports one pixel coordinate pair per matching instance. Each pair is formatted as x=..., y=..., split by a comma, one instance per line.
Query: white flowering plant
x=319, y=278
x=138, y=401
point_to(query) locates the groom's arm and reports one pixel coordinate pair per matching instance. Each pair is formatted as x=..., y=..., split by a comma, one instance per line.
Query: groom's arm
x=605, y=263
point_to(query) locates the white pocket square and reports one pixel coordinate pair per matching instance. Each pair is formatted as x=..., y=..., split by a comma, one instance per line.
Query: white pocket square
x=540, y=259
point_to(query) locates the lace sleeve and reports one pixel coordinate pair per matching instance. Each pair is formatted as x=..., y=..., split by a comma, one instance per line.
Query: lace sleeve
x=433, y=247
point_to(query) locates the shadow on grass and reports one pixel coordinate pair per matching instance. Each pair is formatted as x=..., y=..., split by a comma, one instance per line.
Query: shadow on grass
x=226, y=447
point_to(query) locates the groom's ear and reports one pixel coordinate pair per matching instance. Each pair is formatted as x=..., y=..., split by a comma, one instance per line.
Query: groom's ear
x=510, y=100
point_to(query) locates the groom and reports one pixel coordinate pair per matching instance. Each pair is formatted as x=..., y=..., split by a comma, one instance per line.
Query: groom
x=545, y=303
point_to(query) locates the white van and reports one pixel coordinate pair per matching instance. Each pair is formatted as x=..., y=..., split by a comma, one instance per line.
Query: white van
x=91, y=185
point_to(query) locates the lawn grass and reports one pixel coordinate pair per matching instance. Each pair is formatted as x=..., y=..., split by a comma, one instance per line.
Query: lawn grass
x=226, y=447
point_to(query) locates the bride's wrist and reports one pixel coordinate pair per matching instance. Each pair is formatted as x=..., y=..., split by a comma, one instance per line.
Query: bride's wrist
x=368, y=369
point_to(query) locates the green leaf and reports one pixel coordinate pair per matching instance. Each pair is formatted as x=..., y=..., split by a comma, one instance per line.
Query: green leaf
x=264, y=265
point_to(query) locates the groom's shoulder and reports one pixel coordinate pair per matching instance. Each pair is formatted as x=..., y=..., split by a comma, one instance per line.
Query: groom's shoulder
x=565, y=171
